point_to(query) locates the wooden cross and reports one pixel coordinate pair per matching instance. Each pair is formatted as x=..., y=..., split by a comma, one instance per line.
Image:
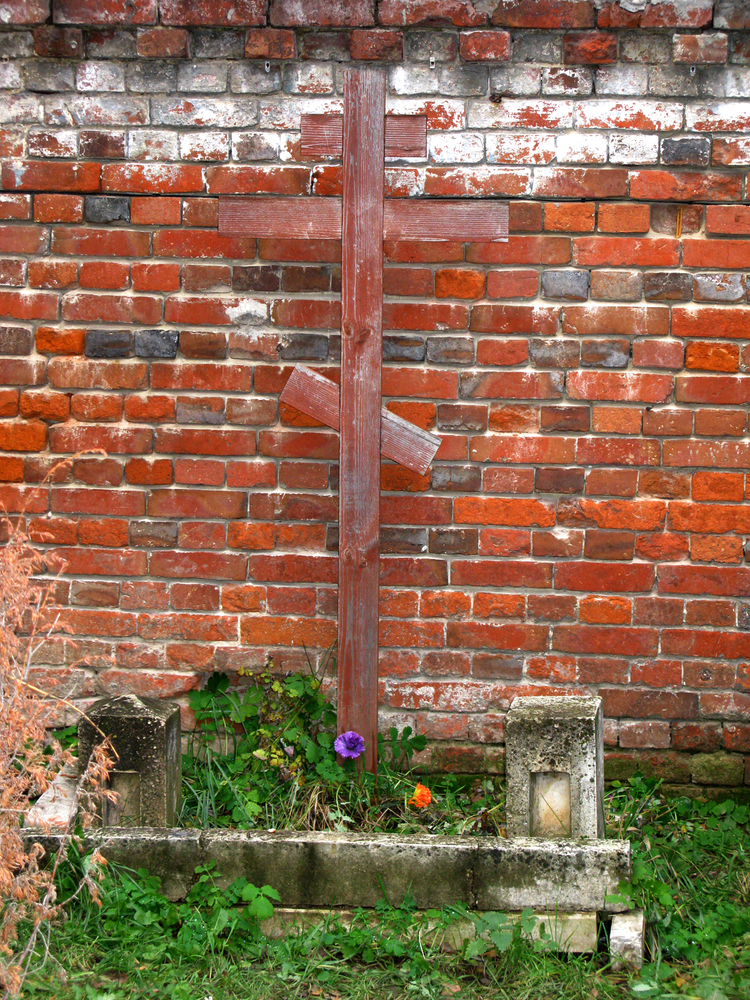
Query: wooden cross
x=361, y=219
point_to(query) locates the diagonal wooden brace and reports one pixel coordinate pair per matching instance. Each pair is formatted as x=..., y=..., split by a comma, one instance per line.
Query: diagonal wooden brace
x=401, y=441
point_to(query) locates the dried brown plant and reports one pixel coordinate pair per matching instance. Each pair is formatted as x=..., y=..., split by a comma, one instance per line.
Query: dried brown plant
x=29, y=759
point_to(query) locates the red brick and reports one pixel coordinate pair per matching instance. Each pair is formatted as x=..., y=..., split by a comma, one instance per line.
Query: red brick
x=148, y=277
x=712, y=357
x=485, y=46
x=104, y=274
x=89, y=12
x=487, y=182
x=375, y=44
x=709, y=48
x=19, y=12
x=101, y=242
x=666, y=14
x=619, y=386
x=617, y=419
x=580, y=182
x=157, y=178
x=256, y=180
x=44, y=405
x=460, y=13
x=47, y=273
x=459, y=283
x=721, y=581
x=522, y=450
x=718, y=486
x=155, y=211
x=269, y=43
x=162, y=43
x=28, y=305
x=721, y=454
x=521, y=250
x=616, y=320
x=501, y=573
x=589, y=48
x=662, y=185
x=15, y=206
x=52, y=341
x=553, y=14
x=58, y=208
x=98, y=472
x=627, y=251
x=716, y=253
x=474, y=635
x=567, y=217
x=658, y=354
x=714, y=548
x=512, y=284
x=541, y=321
x=111, y=308
x=503, y=352
x=667, y=422
x=623, y=218
x=36, y=176
x=69, y=438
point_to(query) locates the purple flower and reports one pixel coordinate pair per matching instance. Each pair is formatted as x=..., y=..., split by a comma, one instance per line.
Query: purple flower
x=349, y=744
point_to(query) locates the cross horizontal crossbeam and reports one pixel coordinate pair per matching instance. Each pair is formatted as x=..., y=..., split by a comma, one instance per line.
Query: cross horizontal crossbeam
x=315, y=218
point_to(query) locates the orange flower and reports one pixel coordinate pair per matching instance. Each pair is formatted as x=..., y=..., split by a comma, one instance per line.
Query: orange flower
x=422, y=796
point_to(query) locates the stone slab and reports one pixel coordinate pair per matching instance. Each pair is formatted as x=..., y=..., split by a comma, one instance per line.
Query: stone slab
x=55, y=809
x=313, y=870
x=627, y=940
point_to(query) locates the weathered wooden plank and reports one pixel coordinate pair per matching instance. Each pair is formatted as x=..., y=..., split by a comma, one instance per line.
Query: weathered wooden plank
x=446, y=220
x=401, y=441
x=323, y=135
x=285, y=218
x=361, y=354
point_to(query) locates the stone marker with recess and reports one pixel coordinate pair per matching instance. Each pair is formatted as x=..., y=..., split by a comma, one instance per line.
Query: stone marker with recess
x=555, y=767
x=147, y=774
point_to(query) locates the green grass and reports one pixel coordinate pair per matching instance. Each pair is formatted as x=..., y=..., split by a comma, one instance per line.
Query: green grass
x=691, y=874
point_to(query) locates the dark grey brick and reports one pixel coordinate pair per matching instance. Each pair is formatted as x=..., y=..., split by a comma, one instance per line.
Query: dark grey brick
x=421, y=46
x=722, y=286
x=743, y=617
x=251, y=78
x=330, y=46
x=109, y=44
x=198, y=410
x=256, y=278
x=572, y=286
x=16, y=44
x=605, y=353
x=537, y=47
x=463, y=81
x=217, y=43
x=103, y=208
x=49, y=76
x=668, y=286
x=16, y=340
x=404, y=348
x=304, y=347
x=403, y=540
x=554, y=353
x=450, y=350
x=456, y=478
x=153, y=534
x=462, y=417
x=156, y=343
x=686, y=151
x=501, y=665
x=152, y=77
x=459, y=541
x=109, y=343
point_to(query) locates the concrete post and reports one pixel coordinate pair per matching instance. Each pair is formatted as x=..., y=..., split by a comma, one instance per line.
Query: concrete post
x=147, y=774
x=555, y=767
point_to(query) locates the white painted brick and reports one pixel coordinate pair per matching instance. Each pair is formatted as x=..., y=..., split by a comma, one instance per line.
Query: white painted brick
x=520, y=81
x=567, y=80
x=521, y=114
x=100, y=76
x=408, y=80
x=452, y=147
x=575, y=147
x=521, y=147
x=659, y=116
x=202, y=77
x=204, y=146
x=10, y=76
x=626, y=148
x=308, y=78
x=286, y=114
x=152, y=144
x=624, y=79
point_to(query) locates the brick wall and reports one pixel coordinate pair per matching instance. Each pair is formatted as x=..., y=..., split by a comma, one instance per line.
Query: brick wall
x=584, y=525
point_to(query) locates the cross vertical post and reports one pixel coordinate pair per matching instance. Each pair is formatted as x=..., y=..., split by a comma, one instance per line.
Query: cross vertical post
x=361, y=219
x=361, y=353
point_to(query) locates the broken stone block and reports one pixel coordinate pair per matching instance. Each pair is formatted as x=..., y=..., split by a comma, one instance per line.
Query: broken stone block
x=555, y=767
x=147, y=773
x=626, y=940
